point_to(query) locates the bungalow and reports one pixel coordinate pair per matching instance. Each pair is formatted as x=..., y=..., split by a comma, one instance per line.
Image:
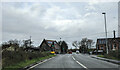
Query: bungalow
x=50, y=45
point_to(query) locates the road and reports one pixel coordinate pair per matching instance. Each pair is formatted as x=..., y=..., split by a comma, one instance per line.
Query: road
x=75, y=62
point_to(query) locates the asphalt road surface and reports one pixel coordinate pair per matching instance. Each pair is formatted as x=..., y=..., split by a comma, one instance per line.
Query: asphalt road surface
x=74, y=62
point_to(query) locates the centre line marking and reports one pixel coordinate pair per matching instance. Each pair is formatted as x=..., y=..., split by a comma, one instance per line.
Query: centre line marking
x=80, y=63
x=73, y=58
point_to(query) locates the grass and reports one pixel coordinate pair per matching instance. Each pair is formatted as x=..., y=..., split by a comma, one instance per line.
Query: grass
x=26, y=63
x=110, y=57
x=101, y=56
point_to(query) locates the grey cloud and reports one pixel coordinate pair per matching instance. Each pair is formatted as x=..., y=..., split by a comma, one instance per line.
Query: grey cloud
x=54, y=21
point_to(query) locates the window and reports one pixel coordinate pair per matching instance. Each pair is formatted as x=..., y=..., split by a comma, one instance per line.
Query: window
x=102, y=47
x=99, y=41
x=115, y=46
x=104, y=41
x=54, y=42
x=49, y=42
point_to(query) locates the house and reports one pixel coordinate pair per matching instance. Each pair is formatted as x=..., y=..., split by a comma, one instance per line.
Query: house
x=113, y=44
x=64, y=46
x=50, y=45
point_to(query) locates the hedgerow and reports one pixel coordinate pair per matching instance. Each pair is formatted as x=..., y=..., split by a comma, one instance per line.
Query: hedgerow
x=13, y=57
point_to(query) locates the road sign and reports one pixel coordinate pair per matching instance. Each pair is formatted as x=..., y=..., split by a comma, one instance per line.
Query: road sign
x=52, y=45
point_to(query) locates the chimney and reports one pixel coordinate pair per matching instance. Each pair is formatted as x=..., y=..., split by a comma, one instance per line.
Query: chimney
x=114, y=33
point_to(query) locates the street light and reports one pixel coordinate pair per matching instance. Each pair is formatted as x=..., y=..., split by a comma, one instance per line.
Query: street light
x=105, y=30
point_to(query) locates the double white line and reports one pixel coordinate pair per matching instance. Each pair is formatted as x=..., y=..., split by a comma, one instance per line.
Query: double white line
x=79, y=63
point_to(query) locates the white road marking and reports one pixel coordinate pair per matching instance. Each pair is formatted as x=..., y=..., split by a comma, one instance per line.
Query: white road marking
x=80, y=63
x=39, y=63
x=73, y=58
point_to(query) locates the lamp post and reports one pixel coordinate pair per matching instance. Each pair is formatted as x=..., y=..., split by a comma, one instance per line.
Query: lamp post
x=105, y=31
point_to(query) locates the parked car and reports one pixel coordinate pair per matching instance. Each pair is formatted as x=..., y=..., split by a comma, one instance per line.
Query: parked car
x=57, y=52
x=77, y=52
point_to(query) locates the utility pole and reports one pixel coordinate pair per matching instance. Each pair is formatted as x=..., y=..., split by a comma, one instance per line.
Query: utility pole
x=30, y=41
x=105, y=31
x=60, y=45
x=60, y=41
x=60, y=38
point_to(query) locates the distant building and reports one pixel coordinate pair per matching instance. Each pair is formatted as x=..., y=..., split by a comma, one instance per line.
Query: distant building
x=50, y=45
x=113, y=44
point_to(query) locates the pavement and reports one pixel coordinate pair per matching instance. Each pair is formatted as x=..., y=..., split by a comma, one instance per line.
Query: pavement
x=74, y=62
x=105, y=59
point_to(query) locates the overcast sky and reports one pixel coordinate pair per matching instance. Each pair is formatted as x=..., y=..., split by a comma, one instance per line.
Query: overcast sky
x=51, y=20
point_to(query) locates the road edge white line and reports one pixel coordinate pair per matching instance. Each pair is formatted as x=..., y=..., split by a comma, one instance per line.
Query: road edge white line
x=39, y=63
x=79, y=63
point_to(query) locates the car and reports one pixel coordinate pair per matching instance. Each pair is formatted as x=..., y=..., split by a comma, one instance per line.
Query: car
x=77, y=52
x=90, y=52
x=70, y=52
x=57, y=52
x=52, y=52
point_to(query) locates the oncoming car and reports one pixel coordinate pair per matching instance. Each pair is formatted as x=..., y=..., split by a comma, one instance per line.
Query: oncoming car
x=77, y=52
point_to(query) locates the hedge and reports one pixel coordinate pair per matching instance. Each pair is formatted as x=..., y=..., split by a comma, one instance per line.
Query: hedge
x=113, y=55
x=13, y=57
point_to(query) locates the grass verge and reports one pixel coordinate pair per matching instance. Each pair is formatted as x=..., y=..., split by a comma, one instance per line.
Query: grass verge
x=101, y=56
x=108, y=57
x=25, y=63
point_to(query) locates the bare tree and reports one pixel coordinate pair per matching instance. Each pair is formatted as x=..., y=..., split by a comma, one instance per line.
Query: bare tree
x=76, y=44
x=27, y=44
x=86, y=44
x=11, y=43
x=90, y=43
